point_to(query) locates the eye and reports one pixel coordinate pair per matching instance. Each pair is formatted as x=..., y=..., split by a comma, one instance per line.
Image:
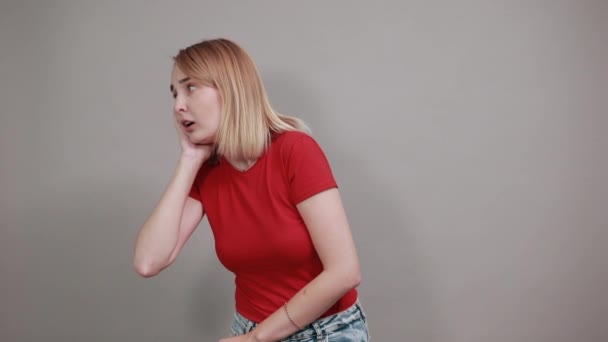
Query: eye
x=191, y=87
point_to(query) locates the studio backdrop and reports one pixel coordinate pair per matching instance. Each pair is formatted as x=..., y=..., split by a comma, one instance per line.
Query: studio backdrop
x=468, y=139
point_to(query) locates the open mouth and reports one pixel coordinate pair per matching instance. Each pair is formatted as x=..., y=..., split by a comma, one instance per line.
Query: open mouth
x=187, y=123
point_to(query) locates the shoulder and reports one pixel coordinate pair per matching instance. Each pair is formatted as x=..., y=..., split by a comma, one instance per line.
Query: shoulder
x=296, y=148
x=286, y=142
x=290, y=137
x=305, y=165
x=207, y=167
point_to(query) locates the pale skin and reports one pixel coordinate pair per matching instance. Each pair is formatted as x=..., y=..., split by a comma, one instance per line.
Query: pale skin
x=176, y=216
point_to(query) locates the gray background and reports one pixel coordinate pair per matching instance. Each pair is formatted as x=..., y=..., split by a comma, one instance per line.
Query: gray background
x=468, y=138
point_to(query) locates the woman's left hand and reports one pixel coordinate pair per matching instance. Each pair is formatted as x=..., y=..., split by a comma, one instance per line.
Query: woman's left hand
x=241, y=338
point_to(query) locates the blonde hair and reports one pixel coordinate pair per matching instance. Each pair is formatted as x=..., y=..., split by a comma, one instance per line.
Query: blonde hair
x=248, y=121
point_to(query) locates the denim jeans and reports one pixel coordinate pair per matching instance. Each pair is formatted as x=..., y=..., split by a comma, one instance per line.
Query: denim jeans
x=349, y=325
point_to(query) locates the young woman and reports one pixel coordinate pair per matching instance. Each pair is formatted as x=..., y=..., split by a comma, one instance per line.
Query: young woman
x=271, y=200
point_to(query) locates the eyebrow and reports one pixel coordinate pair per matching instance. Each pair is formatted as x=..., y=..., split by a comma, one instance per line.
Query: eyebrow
x=185, y=79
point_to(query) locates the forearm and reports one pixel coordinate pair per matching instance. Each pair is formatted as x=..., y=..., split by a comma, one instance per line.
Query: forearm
x=307, y=305
x=159, y=234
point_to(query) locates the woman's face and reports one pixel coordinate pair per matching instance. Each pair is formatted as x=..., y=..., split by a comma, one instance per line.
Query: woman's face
x=197, y=108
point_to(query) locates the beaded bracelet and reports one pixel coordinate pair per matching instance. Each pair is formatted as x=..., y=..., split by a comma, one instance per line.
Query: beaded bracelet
x=290, y=319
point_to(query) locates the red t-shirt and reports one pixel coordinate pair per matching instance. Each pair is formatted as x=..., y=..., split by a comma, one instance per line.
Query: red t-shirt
x=259, y=233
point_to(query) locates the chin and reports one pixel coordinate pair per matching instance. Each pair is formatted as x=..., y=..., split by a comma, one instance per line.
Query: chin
x=198, y=140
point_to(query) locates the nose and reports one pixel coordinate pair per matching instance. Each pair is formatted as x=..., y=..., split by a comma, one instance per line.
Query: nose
x=179, y=106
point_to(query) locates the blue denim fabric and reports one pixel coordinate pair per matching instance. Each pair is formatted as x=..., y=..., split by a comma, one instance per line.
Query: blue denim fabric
x=349, y=325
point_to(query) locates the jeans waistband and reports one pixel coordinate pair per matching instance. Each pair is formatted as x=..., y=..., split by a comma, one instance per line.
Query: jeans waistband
x=318, y=328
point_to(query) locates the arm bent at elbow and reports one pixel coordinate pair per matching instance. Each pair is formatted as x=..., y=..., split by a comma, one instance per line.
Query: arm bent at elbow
x=148, y=263
x=172, y=222
x=327, y=224
x=330, y=232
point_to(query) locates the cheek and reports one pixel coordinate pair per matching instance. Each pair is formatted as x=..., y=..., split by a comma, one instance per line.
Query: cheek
x=211, y=116
x=208, y=110
x=216, y=115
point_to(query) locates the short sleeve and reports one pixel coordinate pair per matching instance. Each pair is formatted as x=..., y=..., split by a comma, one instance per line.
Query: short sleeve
x=308, y=170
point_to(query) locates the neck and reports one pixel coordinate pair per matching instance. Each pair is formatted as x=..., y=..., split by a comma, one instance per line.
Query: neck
x=241, y=164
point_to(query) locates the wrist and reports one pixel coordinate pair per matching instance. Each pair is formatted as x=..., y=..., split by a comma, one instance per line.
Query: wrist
x=256, y=336
x=191, y=159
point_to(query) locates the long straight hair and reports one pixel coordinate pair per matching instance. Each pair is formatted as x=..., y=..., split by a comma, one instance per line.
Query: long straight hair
x=247, y=120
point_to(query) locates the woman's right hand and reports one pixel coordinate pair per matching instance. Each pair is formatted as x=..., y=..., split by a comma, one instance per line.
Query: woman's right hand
x=189, y=149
